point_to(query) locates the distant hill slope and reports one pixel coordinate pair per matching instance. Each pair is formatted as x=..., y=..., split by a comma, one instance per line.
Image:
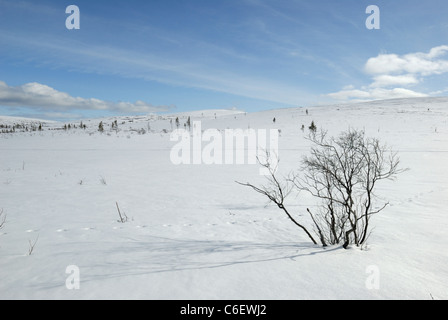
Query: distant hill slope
x=7, y=120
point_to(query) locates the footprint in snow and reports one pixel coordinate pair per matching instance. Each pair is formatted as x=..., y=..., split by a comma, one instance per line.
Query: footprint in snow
x=61, y=230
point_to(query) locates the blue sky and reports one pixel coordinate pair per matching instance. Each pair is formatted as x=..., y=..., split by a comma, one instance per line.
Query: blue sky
x=134, y=57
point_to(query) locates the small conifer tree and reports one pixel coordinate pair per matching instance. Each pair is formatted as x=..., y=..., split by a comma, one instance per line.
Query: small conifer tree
x=313, y=127
x=189, y=123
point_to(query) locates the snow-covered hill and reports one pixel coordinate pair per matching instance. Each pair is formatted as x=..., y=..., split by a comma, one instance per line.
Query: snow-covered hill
x=7, y=120
x=193, y=233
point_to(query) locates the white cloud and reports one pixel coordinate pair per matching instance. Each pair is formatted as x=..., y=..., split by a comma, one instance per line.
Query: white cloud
x=350, y=94
x=376, y=94
x=392, y=73
x=414, y=63
x=387, y=80
x=43, y=97
x=439, y=92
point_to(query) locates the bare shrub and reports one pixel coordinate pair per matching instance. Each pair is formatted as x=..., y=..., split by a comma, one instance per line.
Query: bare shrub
x=342, y=174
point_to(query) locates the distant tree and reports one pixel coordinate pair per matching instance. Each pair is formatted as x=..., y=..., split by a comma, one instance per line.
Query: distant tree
x=101, y=127
x=114, y=125
x=313, y=127
x=274, y=120
x=177, y=123
x=189, y=123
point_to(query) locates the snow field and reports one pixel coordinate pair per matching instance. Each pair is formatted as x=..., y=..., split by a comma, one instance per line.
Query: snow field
x=194, y=233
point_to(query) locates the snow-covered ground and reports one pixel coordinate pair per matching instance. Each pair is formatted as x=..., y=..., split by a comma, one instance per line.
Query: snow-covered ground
x=193, y=233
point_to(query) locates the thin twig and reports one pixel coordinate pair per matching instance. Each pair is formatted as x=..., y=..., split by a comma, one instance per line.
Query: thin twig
x=2, y=223
x=123, y=218
x=32, y=245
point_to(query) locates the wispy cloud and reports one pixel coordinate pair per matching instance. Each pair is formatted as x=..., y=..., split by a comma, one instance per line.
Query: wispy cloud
x=114, y=60
x=47, y=99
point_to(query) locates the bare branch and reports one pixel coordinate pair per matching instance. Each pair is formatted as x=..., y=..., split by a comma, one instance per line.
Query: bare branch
x=2, y=220
x=32, y=245
x=123, y=217
x=276, y=193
